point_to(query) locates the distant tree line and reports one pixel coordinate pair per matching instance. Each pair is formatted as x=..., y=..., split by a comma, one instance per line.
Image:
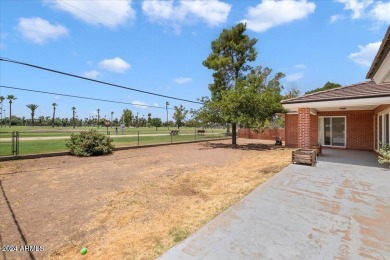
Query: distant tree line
x=127, y=118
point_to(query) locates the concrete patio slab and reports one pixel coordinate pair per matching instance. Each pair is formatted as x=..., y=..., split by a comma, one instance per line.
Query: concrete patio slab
x=337, y=209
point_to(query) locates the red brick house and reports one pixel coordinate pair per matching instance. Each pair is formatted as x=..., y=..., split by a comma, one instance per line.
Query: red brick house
x=350, y=117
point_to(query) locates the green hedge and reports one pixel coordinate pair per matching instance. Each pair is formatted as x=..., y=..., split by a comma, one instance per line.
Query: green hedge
x=89, y=143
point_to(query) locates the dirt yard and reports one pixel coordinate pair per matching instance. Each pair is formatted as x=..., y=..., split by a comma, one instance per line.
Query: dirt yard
x=134, y=204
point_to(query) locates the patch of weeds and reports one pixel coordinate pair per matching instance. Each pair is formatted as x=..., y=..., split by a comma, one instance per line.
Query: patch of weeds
x=159, y=247
x=179, y=234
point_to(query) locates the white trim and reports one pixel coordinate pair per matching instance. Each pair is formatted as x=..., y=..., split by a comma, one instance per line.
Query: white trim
x=383, y=71
x=321, y=118
x=335, y=105
x=383, y=114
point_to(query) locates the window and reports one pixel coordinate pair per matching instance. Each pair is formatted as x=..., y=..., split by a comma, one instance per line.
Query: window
x=384, y=128
x=332, y=131
x=387, y=137
x=380, y=130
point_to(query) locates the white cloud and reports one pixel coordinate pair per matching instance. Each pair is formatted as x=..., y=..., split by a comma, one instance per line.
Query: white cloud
x=271, y=13
x=300, y=66
x=108, y=13
x=115, y=65
x=366, y=54
x=39, y=30
x=140, y=104
x=182, y=80
x=155, y=104
x=356, y=6
x=212, y=12
x=336, y=17
x=294, y=76
x=381, y=12
x=93, y=74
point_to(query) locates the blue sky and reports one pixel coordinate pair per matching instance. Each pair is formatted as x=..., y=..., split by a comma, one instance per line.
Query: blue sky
x=159, y=46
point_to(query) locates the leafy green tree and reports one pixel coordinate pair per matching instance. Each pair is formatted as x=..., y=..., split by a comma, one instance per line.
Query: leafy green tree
x=32, y=107
x=127, y=116
x=328, y=85
x=179, y=115
x=292, y=93
x=156, y=122
x=10, y=98
x=239, y=93
x=192, y=123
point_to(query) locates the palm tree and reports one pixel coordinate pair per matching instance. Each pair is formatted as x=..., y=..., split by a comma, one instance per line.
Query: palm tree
x=149, y=117
x=1, y=110
x=10, y=98
x=166, y=107
x=98, y=110
x=54, y=113
x=32, y=107
x=74, y=112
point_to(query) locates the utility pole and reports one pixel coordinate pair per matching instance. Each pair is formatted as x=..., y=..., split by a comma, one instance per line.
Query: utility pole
x=137, y=121
x=166, y=107
x=112, y=114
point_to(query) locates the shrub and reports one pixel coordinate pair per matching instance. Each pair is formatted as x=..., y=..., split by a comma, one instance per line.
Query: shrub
x=89, y=143
x=384, y=153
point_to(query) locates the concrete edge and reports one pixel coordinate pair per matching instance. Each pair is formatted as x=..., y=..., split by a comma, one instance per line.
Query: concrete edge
x=179, y=246
x=44, y=155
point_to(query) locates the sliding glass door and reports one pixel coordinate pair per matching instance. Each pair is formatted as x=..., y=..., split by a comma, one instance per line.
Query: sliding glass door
x=332, y=131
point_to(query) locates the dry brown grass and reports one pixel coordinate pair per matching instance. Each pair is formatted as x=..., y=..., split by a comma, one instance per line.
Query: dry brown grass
x=144, y=222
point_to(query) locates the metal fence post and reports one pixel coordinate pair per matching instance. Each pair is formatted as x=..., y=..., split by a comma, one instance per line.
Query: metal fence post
x=13, y=143
x=138, y=138
x=17, y=144
x=171, y=137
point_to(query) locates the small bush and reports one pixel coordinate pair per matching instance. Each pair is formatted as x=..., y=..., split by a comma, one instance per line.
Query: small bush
x=89, y=143
x=384, y=153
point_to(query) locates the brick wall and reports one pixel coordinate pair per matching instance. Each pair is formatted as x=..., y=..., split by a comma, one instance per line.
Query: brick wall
x=291, y=132
x=267, y=134
x=360, y=128
x=304, y=128
x=313, y=129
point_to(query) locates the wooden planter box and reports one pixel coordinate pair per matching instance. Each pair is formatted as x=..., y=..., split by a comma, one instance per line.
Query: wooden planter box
x=317, y=148
x=304, y=156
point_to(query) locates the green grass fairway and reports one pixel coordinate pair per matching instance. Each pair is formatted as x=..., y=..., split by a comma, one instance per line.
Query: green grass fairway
x=42, y=131
x=48, y=146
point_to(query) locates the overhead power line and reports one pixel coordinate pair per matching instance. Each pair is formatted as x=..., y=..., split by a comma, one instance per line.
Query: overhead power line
x=94, y=80
x=81, y=97
x=82, y=11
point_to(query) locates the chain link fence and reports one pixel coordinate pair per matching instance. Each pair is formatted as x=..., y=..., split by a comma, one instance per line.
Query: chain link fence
x=42, y=142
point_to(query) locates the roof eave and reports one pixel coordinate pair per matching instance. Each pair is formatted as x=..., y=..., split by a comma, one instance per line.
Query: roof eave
x=333, y=99
x=383, y=51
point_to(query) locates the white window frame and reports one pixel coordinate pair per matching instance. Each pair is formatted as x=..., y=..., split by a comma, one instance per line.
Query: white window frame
x=383, y=114
x=320, y=130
